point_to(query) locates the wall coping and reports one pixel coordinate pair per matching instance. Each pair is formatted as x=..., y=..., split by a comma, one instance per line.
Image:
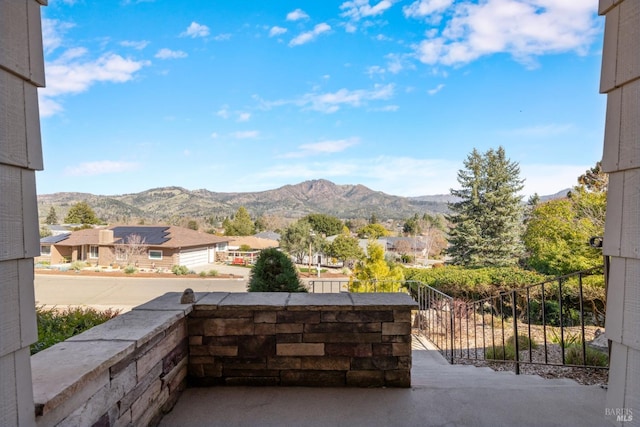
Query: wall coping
x=303, y=301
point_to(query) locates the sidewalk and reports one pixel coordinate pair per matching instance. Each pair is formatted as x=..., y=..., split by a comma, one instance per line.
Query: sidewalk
x=441, y=395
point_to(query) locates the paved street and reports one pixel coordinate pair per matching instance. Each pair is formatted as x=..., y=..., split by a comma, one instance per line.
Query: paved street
x=119, y=292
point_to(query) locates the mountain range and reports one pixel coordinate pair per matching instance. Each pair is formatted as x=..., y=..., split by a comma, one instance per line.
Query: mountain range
x=289, y=202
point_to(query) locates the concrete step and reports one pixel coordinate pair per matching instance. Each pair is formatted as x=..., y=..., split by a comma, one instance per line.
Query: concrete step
x=430, y=369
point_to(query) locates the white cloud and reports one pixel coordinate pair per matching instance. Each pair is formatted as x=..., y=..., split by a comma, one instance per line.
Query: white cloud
x=358, y=9
x=214, y=135
x=323, y=147
x=332, y=101
x=52, y=33
x=522, y=28
x=425, y=8
x=73, y=73
x=375, y=70
x=243, y=117
x=276, y=31
x=138, y=45
x=387, y=108
x=223, y=112
x=170, y=54
x=436, y=89
x=101, y=168
x=245, y=134
x=196, y=30
x=222, y=37
x=297, y=15
x=308, y=36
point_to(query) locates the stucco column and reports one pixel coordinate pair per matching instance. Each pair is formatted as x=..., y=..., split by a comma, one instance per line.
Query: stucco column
x=21, y=72
x=620, y=80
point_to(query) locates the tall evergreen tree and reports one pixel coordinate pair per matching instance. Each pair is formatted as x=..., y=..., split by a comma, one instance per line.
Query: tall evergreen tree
x=81, y=213
x=486, y=221
x=241, y=225
x=274, y=272
x=52, y=217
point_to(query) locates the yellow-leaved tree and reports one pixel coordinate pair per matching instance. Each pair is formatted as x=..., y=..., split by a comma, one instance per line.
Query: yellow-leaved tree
x=373, y=274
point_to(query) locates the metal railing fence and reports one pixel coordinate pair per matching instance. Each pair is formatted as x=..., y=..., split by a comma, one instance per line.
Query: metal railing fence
x=542, y=324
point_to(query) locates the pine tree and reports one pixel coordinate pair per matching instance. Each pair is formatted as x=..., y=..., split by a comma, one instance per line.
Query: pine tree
x=486, y=221
x=81, y=213
x=241, y=225
x=52, y=217
x=274, y=272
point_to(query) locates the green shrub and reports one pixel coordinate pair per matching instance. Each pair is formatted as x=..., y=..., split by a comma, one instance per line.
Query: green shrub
x=274, y=272
x=474, y=283
x=573, y=356
x=55, y=326
x=523, y=342
x=180, y=270
x=212, y=273
x=507, y=352
x=78, y=265
x=130, y=269
x=203, y=274
x=569, y=338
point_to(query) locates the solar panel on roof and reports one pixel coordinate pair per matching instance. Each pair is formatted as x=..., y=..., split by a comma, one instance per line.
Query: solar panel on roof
x=151, y=235
x=55, y=239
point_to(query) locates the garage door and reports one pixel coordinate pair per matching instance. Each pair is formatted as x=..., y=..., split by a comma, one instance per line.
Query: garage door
x=194, y=257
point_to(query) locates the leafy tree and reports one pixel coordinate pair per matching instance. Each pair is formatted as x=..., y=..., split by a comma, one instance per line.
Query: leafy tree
x=374, y=274
x=373, y=219
x=594, y=179
x=81, y=213
x=241, y=225
x=346, y=249
x=45, y=232
x=192, y=224
x=52, y=217
x=558, y=231
x=412, y=226
x=486, y=221
x=270, y=223
x=296, y=238
x=356, y=224
x=372, y=231
x=324, y=224
x=274, y=272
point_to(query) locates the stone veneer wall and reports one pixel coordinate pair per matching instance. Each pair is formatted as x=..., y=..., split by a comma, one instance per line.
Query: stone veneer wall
x=127, y=371
x=298, y=339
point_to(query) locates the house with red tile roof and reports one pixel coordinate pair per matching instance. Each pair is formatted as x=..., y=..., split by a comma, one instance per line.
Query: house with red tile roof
x=154, y=247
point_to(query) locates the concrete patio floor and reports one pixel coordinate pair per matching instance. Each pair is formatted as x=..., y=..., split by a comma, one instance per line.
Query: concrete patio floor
x=441, y=395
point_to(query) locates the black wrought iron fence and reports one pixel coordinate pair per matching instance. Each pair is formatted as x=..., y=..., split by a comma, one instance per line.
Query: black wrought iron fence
x=549, y=323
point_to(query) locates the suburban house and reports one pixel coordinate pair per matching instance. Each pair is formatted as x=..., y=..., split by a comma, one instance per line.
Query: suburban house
x=256, y=245
x=157, y=247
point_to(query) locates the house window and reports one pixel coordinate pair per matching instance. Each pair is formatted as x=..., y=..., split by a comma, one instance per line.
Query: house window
x=93, y=251
x=157, y=255
x=45, y=250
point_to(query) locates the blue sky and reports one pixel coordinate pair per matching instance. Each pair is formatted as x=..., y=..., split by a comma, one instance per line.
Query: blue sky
x=237, y=96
